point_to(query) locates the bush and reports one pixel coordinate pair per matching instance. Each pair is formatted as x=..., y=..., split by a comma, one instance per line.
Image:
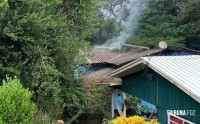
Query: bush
x=132, y=120
x=41, y=117
x=15, y=104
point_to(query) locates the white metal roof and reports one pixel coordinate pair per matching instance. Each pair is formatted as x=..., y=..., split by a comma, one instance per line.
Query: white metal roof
x=182, y=71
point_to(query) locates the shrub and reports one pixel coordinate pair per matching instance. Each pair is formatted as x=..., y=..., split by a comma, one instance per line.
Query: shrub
x=132, y=120
x=41, y=117
x=15, y=104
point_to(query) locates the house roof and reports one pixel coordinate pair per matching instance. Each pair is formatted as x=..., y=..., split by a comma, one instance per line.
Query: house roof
x=106, y=55
x=182, y=71
x=100, y=77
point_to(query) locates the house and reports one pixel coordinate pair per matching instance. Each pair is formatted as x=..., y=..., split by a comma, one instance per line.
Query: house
x=171, y=83
x=104, y=61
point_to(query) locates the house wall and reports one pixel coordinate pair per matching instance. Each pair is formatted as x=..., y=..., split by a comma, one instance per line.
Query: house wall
x=160, y=92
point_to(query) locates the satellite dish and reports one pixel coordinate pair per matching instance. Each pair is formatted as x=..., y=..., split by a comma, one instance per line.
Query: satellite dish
x=163, y=45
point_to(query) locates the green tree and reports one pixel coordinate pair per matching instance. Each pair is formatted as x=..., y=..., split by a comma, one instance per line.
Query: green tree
x=40, y=42
x=191, y=18
x=98, y=103
x=15, y=104
x=106, y=29
x=109, y=17
x=161, y=21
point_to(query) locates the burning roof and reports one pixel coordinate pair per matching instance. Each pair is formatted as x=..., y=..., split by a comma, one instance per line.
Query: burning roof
x=118, y=57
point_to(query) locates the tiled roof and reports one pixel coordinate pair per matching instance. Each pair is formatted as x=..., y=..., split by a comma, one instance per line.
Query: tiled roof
x=100, y=77
x=106, y=55
x=102, y=55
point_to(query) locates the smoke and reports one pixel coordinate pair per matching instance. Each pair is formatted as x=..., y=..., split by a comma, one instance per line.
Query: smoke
x=130, y=25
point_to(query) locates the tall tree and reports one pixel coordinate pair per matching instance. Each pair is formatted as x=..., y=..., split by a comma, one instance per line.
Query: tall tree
x=161, y=21
x=191, y=18
x=40, y=42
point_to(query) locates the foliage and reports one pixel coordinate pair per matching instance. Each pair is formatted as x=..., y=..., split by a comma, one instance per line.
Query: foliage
x=132, y=104
x=192, y=20
x=160, y=22
x=40, y=42
x=105, y=121
x=173, y=21
x=131, y=101
x=116, y=8
x=41, y=117
x=107, y=28
x=132, y=120
x=15, y=104
x=110, y=14
x=98, y=101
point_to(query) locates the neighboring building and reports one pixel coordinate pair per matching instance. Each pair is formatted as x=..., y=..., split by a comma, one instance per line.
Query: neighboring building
x=172, y=83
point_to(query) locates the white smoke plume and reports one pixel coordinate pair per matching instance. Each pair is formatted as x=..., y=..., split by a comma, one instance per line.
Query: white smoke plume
x=129, y=26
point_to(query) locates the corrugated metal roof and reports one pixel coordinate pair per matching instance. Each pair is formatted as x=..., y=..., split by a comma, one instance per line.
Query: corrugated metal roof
x=106, y=55
x=182, y=71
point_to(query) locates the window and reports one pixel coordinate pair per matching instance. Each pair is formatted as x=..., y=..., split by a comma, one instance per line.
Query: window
x=172, y=119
